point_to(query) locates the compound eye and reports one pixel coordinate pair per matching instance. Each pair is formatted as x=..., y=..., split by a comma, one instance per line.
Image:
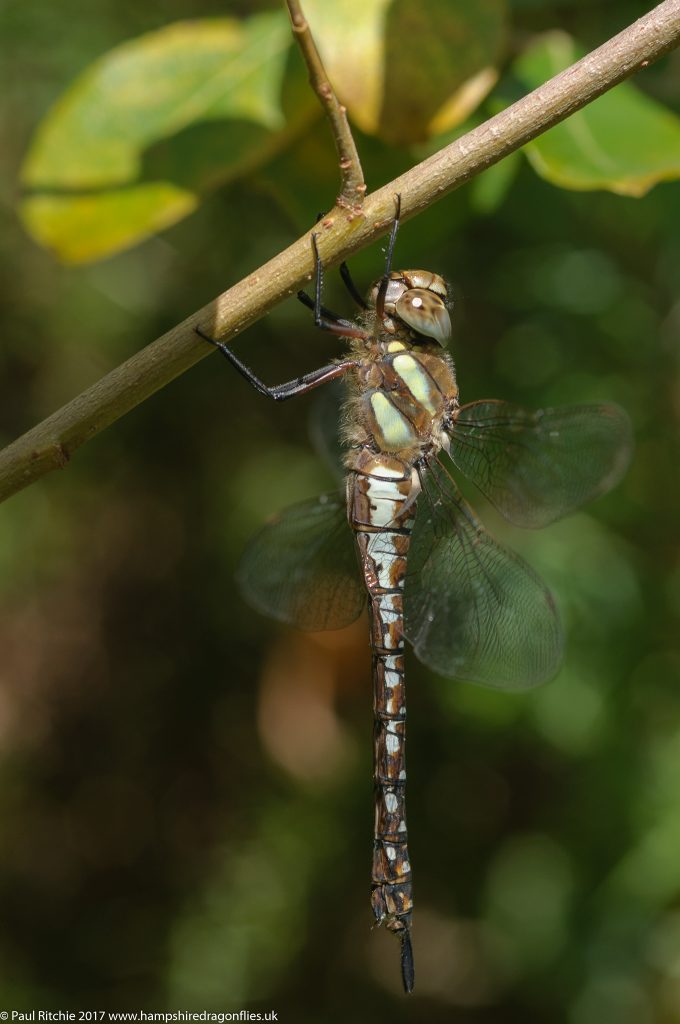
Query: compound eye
x=426, y=313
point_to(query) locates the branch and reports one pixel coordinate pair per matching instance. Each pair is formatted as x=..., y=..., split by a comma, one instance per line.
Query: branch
x=343, y=232
x=353, y=186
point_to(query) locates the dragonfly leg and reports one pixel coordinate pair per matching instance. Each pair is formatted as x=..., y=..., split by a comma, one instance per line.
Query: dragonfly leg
x=326, y=313
x=323, y=317
x=291, y=388
x=393, y=235
x=380, y=298
x=351, y=287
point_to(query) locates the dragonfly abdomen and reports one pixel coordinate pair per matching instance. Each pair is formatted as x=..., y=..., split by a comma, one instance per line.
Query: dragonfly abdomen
x=381, y=491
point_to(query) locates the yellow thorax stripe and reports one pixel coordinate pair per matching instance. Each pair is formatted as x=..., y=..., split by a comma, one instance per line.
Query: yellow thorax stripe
x=417, y=380
x=395, y=430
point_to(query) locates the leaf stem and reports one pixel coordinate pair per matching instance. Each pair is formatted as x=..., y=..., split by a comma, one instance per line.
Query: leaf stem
x=49, y=445
x=352, y=177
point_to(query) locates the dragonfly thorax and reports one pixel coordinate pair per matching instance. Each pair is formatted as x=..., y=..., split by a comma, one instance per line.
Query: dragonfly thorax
x=404, y=385
x=417, y=301
x=403, y=396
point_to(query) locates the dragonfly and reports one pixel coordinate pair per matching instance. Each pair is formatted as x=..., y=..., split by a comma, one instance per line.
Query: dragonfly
x=404, y=541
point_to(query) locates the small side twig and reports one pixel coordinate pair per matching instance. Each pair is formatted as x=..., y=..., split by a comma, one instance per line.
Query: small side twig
x=353, y=186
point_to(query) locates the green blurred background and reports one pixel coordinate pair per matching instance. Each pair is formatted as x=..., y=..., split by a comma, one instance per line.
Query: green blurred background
x=185, y=789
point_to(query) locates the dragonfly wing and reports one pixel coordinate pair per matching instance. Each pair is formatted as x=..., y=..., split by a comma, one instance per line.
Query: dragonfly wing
x=301, y=568
x=325, y=427
x=537, y=467
x=472, y=609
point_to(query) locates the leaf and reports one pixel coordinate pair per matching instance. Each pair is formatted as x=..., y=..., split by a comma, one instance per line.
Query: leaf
x=133, y=142
x=406, y=70
x=624, y=141
x=488, y=191
x=89, y=227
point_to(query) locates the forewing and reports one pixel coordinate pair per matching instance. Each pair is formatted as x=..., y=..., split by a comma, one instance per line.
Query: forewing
x=325, y=427
x=472, y=609
x=537, y=467
x=301, y=568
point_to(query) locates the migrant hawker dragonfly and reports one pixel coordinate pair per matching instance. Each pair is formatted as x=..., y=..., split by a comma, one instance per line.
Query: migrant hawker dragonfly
x=427, y=568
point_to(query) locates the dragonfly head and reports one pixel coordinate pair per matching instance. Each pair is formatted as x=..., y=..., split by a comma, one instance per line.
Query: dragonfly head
x=417, y=298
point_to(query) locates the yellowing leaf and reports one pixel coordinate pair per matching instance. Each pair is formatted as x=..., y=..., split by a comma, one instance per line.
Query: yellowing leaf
x=464, y=101
x=349, y=35
x=405, y=69
x=624, y=141
x=82, y=228
x=131, y=144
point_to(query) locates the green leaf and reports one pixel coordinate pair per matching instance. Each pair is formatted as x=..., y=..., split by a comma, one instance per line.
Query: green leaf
x=489, y=189
x=624, y=141
x=131, y=145
x=406, y=70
